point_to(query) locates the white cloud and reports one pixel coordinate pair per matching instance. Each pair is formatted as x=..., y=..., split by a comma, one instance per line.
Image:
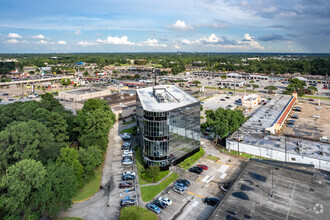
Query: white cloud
x=40, y=36
x=12, y=41
x=177, y=46
x=151, y=43
x=213, y=40
x=181, y=26
x=77, y=32
x=43, y=42
x=185, y=41
x=116, y=40
x=14, y=35
x=85, y=43
x=62, y=42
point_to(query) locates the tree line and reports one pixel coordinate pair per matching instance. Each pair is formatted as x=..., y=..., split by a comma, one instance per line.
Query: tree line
x=40, y=168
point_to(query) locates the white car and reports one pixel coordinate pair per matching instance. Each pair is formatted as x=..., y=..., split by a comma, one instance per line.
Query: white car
x=127, y=162
x=165, y=200
x=125, y=136
x=129, y=173
x=126, y=154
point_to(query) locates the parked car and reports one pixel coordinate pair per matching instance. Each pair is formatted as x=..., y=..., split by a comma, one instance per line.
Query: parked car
x=222, y=99
x=227, y=97
x=180, y=185
x=204, y=167
x=165, y=200
x=211, y=201
x=125, y=146
x=125, y=185
x=154, y=208
x=127, y=162
x=295, y=116
x=291, y=121
x=132, y=173
x=290, y=125
x=160, y=204
x=312, y=100
x=127, y=158
x=125, y=136
x=126, y=154
x=178, y=190
x=128, y=177
x=197, y=170
x=127, y=202
x=184, y=181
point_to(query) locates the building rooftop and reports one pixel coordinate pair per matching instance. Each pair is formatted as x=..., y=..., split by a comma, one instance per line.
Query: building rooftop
x=252, y=132
x=83, y=91
x=277, y=190
x=164, y=98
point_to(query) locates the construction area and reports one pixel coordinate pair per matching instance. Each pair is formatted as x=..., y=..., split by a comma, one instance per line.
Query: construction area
x=313, y=120
x=271, y=190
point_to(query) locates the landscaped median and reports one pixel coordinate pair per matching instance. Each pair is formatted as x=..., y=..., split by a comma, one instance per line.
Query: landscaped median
x=187, y=163
x=91, y=187
x=136, y=213
x=149, y=192
x=143, y=178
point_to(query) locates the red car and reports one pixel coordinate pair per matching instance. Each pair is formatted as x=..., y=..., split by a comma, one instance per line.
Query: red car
x=125, y=185
x=204, y=167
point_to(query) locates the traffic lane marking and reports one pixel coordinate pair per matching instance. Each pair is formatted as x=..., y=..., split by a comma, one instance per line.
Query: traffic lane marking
x=224, y=163
x=196, y=195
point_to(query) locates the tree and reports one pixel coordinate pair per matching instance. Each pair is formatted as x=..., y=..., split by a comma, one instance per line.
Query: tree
x=196, y=82
x=60, y=186
x=24, y=140
x=86, y=73
x=271, y=88
x=70, y=156
x=223, y=76
x=90, y=158
x=19, y=186
x=255, y=86
x=312, y=89
x=136, y=76
x=152, y=172
x=296, y=85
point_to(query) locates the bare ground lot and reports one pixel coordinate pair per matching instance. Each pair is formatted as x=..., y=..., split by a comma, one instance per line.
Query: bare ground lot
x=308, y=124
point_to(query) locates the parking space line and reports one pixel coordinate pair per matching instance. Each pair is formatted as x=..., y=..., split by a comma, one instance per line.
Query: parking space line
x=224, y=163
x=198, y=179
x=196, y=195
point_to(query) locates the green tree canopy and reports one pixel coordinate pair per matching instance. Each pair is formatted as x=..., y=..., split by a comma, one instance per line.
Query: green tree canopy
x=21, y=183
x=271, y=88
x=296, y=85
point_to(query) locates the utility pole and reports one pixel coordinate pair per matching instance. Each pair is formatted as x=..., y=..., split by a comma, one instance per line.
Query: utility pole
x=238, y=139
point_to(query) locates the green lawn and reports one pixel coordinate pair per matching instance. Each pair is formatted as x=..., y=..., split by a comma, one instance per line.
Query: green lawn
x=132, y=211
x=192, y=159
x=143, y=179
x=212, y=158
x=129, y=130
x=149, y=192
x=241, y=154
x=129, y=122
x=315, y=97
x=91, y=187
x=69, y=218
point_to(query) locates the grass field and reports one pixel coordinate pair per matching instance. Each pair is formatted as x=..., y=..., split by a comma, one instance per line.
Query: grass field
x=315, y=97
x=143, y=179
x=149, y=192
x=132, y=211
x=91, y=187
x=241, y=154
x=129, y=130
x=212, y=158
x=187, y=163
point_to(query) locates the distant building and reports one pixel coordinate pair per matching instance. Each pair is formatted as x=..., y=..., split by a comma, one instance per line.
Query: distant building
x=250, y=101
x=169, y=125
x=82, y=94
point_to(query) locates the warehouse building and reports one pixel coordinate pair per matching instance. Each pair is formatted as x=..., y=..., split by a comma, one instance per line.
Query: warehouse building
x=168, y=119
x=78, y=95
x=261, y=136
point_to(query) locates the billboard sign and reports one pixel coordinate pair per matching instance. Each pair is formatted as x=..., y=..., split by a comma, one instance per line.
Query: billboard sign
x=79, y=63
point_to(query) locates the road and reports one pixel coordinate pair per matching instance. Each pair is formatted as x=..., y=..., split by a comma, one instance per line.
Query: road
x=96, y=207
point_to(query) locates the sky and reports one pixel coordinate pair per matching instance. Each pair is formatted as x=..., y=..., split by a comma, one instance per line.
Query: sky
x=58, y=26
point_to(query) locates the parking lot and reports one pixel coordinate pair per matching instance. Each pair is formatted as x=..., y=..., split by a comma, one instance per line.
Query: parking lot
x=313, y=121
x=191, y=204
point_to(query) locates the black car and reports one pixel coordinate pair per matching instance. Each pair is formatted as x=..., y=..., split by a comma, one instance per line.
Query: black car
x=127, y=202
x=128, y=177
x=211, y=201
x=291, y=121
x=160, y=204
x=295, y=116
x=197, y=170
x=184, y=181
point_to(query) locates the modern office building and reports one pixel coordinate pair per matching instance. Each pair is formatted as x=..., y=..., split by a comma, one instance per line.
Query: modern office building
x=169, y=125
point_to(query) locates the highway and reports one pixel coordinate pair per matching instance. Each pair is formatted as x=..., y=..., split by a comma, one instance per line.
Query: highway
x=31, y=81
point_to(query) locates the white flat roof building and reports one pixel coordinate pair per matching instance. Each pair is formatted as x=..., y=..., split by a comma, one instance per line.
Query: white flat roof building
x=166, y=98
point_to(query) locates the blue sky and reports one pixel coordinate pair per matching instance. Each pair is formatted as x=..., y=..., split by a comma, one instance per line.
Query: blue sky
x=46, y=26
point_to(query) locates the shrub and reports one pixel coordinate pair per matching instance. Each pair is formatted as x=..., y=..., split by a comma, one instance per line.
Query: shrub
x=191, y=160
